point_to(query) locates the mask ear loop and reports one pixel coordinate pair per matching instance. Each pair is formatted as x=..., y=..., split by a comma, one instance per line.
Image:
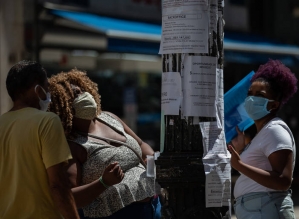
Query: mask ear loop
x=36, y=92
x=35, y=87
x=47, y=96
x=270, y=110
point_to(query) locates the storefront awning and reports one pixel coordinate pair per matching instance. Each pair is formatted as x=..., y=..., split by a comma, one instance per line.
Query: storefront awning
x=115, y=28
x=141, y=37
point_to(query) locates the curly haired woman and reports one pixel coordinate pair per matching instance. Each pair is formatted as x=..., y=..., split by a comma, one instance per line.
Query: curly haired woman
x=96, y=139
x=266, y=164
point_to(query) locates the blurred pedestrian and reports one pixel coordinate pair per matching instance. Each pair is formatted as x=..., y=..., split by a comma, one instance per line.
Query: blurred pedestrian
x=97, y=138
x=33, y=151
x=266, y=164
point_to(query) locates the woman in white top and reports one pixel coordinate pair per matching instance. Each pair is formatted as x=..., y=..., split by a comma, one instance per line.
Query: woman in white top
x=266, y=164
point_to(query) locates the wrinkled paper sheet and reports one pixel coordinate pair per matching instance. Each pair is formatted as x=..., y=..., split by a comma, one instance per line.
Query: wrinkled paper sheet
x=216, y=160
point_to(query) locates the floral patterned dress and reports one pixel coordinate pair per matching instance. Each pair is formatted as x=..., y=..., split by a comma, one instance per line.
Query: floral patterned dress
x=134, y=187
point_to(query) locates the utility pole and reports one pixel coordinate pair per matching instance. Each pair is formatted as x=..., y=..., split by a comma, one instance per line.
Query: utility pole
x=180, y=169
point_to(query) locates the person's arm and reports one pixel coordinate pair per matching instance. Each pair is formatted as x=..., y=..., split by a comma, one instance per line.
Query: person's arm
x=61, y=192
x=279, y=178
x=85, y=194
x=145, y=148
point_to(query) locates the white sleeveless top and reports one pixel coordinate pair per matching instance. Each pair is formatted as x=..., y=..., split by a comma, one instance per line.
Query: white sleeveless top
x=134, y=187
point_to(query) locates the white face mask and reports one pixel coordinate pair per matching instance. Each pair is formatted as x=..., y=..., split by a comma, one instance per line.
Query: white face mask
x=43, y=103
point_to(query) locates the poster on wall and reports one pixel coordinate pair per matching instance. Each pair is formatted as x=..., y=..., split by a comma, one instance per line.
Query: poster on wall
x=185, y=27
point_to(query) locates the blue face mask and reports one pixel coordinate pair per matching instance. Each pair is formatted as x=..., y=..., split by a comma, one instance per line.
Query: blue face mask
x=256, y=107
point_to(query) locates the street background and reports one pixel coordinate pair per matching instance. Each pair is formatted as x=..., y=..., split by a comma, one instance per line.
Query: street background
x=94, y=36
x=117, y=43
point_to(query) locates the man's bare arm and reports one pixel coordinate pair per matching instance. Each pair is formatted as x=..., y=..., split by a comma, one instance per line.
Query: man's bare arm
x=61, y=191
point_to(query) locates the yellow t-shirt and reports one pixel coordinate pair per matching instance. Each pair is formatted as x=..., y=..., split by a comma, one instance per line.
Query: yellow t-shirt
x=30, y=141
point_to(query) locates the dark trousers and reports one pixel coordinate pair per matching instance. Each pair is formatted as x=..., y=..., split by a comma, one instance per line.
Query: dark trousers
x=136, y=210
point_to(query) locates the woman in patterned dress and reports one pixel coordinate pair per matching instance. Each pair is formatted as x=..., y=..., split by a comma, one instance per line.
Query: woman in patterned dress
x=96, y=139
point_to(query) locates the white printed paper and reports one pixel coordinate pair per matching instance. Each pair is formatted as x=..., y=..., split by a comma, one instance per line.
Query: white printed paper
x=216, y=160
x=184, y=27
x=171, y=94
x=213, y=140
x=219, y=98
x=218, y=182
x=213, y=16
x=199, y=83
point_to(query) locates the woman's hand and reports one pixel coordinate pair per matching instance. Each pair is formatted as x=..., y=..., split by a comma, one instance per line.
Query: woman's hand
x=235, y=158
x=113, y=174
x=239, y=141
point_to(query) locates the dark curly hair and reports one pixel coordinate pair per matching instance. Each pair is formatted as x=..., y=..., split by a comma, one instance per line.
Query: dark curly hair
x=22, y=76
x=279, y=78
x=63, y=95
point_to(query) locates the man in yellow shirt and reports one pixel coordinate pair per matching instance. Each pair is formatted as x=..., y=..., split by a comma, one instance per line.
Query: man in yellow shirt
x=33, y=151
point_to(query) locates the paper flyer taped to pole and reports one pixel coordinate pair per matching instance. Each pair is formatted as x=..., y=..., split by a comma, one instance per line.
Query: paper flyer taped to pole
x=185, y=27
x=199, y=86
x=213, y=140
x=216, y=160
x=171, y=93
x=218, y=182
